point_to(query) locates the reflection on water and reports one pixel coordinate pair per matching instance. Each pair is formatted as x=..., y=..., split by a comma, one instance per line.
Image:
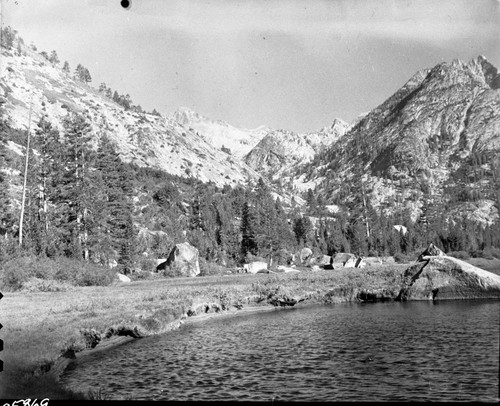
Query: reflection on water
x=385, y=351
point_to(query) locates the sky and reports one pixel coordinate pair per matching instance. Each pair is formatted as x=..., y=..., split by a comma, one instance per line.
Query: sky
x=290, y=64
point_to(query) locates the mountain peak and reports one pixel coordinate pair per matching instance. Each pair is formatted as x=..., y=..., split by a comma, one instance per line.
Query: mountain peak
x=489, y=71
x=184, y=115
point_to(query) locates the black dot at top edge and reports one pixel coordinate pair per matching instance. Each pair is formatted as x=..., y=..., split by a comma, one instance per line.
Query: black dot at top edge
x=125, y=3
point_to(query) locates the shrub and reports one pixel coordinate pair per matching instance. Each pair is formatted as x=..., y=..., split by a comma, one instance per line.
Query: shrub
x=146, y=264
x=42, y=285
x=16, y=272
x=173, y=271
x=143, y=275
x=209, y=268
x=401, y=258
x=491, y=253
x=487, y=253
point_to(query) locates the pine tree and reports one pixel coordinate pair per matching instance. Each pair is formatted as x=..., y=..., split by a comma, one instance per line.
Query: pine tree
x=8, y=35
x=54, y=59
x=86, y=76
x=78, y=71
x=311, y=202
x=66, y=68
x=75, y=183
x=41, y=223
x=248, y=231
x=113, y=221
x=302, y=227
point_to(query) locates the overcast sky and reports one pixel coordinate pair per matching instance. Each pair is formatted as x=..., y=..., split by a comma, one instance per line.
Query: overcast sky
x=294, y=64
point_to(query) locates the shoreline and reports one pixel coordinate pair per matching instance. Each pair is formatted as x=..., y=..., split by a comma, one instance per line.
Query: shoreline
x=93, y=320
x=117, y=340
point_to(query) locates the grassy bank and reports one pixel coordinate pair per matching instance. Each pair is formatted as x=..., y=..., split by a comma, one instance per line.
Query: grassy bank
x=40, y=326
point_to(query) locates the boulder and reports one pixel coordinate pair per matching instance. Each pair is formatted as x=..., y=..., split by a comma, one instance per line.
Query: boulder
x=342, y=257
x=160, y=261
x=316, y=268
x=305, y=254
x=122, y=278
x=432, y=251
x=254, y=267
x=185, y=257
x=321, y=260
x=359, y=263
x=350, y=263
x=286, y=269
x=401, y=229
x=445, y=277
x=372, y=261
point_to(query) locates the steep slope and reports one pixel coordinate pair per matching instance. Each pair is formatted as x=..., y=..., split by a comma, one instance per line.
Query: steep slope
x=281, y=150
x=144, y=139
x=435, y=142
x=235, y=141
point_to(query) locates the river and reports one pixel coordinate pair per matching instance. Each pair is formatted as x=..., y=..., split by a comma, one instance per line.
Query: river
x=413, y=351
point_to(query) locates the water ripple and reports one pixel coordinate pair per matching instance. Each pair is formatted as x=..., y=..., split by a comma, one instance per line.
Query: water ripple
x=381, y=352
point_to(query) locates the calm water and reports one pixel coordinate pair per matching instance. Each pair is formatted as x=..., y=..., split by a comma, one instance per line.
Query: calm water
x=384, y=351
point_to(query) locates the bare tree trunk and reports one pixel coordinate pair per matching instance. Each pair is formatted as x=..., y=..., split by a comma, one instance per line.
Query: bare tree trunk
x=21, y=217
x=364, y=207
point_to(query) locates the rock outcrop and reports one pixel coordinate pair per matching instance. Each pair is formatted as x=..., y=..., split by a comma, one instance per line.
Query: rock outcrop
x=305, y=254
x=122, y=278
x=185, y=258
x=286, y=269
x=321, y=261
x=431, y=251
x=342, y=257
x=443, y=277
x=255, y=267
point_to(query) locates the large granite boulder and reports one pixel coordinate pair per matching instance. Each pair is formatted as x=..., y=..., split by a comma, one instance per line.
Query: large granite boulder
x=373, y=261
x=445, y=277
x=122, y=278
x=321, y=260
x=286, y=269
x=360, y=263
x=431, y=251
x=305, y=254
x=342, y=257
x=255, y=267
x=185, y=258
x=350, y=263
x=354, y=262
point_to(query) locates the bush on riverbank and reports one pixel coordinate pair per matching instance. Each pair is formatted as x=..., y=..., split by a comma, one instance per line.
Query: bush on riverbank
x=28, y=272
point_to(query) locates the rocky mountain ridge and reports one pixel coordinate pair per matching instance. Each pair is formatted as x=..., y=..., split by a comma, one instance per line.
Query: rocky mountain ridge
x=144, y=139
x=435, y=142
x=281, y=150
x=236, y=141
